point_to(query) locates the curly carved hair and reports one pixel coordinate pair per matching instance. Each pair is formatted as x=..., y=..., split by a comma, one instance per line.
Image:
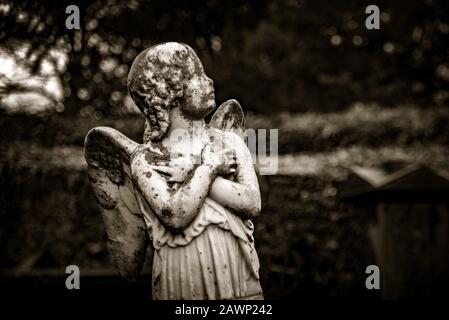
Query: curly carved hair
x=156, y=83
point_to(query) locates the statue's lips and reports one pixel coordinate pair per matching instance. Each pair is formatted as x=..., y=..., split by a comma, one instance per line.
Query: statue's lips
x=211, y=95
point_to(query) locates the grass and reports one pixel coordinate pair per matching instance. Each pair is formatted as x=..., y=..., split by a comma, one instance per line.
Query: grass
x=368, y=125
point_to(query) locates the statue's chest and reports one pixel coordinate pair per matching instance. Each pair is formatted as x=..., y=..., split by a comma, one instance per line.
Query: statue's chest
x=183, y=165
x=184, y=159
x=185, y=155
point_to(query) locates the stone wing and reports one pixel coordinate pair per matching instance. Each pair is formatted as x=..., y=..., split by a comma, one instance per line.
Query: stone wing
x=107, y=154
x=229, y=116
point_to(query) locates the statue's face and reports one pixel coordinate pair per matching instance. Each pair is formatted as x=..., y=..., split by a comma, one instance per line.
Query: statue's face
x=199, y=93
x=168, y=72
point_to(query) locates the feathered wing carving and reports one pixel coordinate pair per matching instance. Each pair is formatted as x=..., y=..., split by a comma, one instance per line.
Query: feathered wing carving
x=229, y=116
x=107, y=154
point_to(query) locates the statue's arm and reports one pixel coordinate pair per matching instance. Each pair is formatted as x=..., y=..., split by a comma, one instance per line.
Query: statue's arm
x=175, y=208
x=243, y=196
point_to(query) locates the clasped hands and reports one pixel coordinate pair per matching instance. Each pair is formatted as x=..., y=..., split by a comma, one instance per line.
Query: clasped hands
x=221, y=160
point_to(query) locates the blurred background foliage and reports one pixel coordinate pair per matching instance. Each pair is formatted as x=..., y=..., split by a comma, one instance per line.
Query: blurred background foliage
x=290, y=55
x=339, y=94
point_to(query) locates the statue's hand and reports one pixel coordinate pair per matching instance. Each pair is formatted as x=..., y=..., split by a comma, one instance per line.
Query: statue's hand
x=222, y=161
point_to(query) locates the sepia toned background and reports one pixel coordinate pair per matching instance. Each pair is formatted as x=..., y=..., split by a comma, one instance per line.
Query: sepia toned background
x=348, y=103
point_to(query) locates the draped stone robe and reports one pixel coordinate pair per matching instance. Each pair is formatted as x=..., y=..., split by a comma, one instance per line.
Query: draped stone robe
x=213, y=258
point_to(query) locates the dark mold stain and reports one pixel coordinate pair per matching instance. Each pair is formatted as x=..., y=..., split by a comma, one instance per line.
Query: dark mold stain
x=152, y=157
x=104, y=199
x=148, y=174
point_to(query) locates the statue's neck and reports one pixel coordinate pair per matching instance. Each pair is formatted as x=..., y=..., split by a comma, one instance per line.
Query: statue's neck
x=179, y=121
x=179, y=124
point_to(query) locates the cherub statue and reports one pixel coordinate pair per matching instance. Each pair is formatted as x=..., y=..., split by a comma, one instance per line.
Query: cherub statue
x=189, y=191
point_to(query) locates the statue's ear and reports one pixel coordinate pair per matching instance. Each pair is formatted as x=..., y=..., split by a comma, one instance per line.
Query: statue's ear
x=229, y=116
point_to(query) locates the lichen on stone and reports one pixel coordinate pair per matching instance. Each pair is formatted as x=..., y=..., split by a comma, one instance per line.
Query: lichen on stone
x=156, y=84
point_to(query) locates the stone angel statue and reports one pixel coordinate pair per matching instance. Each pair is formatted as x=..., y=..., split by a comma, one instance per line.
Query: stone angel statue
x=189, y=191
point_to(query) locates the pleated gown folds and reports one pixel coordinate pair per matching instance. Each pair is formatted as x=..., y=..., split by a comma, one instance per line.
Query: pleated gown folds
x=213, y=258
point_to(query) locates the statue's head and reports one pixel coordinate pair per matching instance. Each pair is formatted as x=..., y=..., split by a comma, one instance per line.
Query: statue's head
x=165, y=76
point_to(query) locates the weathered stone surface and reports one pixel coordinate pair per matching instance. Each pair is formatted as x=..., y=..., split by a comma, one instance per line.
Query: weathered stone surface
x=107, y=154
x=191, y=188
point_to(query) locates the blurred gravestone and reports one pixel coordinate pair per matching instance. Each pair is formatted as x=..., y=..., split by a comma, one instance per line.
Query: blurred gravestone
x=408, y=209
